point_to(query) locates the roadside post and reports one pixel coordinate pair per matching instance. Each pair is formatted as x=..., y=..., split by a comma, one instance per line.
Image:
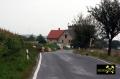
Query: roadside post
x=27, y=53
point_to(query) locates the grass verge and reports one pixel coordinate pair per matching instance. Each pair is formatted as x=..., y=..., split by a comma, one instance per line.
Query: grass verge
x=18, y=67
x=100, y=54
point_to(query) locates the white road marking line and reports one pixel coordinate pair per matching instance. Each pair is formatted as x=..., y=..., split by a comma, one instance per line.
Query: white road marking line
x=38, y=67
x=102, y=61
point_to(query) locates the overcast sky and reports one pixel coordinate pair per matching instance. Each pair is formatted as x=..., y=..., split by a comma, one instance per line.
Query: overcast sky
x=40, y=16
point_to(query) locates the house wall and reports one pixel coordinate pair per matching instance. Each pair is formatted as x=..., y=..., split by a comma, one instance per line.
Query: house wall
x=52, y=41
x=65, y=39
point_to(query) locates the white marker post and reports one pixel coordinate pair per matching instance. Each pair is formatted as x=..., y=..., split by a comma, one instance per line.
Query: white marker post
x=27, y=52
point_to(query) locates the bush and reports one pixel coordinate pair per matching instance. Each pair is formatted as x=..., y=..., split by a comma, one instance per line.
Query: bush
x=13, y=44
x=3, y=50
x=2, y=37
x=53, y=46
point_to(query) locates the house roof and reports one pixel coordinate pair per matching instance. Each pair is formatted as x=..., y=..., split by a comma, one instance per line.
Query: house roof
x=55, y=34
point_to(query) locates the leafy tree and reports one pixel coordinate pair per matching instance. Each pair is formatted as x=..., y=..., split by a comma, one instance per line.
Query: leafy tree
x=41, y=39
x=108, y=14
x=84, y=32
x=31, y=38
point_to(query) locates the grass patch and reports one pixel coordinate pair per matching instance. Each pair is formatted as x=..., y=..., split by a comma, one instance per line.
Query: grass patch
x=53, y=46
x=17, y=67
x=99, y=54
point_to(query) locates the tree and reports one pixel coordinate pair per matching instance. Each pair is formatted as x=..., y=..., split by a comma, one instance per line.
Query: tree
x=41, y=39
x=31, y=38
x=84, y=32
x=108, y=14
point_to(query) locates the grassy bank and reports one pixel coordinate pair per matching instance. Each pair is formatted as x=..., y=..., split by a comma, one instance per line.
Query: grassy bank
x=17, y=66
x=100, y=54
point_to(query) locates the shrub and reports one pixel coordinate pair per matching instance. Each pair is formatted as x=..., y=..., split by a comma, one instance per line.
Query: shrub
x=53, y=46
x=2, y=37
x=13, y=44
x=3, y=49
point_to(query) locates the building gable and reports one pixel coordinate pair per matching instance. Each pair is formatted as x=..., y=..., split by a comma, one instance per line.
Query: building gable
x=55, y=34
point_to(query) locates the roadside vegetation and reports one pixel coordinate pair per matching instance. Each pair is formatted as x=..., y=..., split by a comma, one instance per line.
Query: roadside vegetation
x=99, y=28
x=101, y=54
x=48, y=47
x=94, y=33
x=52, y=46
x=13, y=61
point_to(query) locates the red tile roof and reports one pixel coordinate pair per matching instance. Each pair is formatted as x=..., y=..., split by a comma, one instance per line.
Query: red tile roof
x=55, y=34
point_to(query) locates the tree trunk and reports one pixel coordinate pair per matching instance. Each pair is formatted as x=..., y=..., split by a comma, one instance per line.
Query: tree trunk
x=109, y=47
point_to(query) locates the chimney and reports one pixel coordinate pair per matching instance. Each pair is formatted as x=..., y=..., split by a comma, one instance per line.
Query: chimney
x=58, y=28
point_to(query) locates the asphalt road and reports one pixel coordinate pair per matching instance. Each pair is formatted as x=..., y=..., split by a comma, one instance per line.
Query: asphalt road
x=66, y=65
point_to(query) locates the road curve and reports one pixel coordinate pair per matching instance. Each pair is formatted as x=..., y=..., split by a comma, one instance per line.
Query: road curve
x=66, y=65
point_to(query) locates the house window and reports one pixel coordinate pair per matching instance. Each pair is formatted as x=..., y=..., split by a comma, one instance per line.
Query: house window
x=69, y=41
x=65, y=36
x=62, y=41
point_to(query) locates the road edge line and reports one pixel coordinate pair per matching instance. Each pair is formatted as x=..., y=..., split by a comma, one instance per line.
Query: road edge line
x=102, y=60
x=38, y=67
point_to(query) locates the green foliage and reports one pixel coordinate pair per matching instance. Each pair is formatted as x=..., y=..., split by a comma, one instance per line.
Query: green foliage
x=3, y=50
x=108, y=14
x=19, y=66
x=53, y=46
x=13, y=44
x=84, y=32
x=13, y=56
x=31, y=38
x=2, y=37
x=41, y=39
x=9, y=43
x=100, y=54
